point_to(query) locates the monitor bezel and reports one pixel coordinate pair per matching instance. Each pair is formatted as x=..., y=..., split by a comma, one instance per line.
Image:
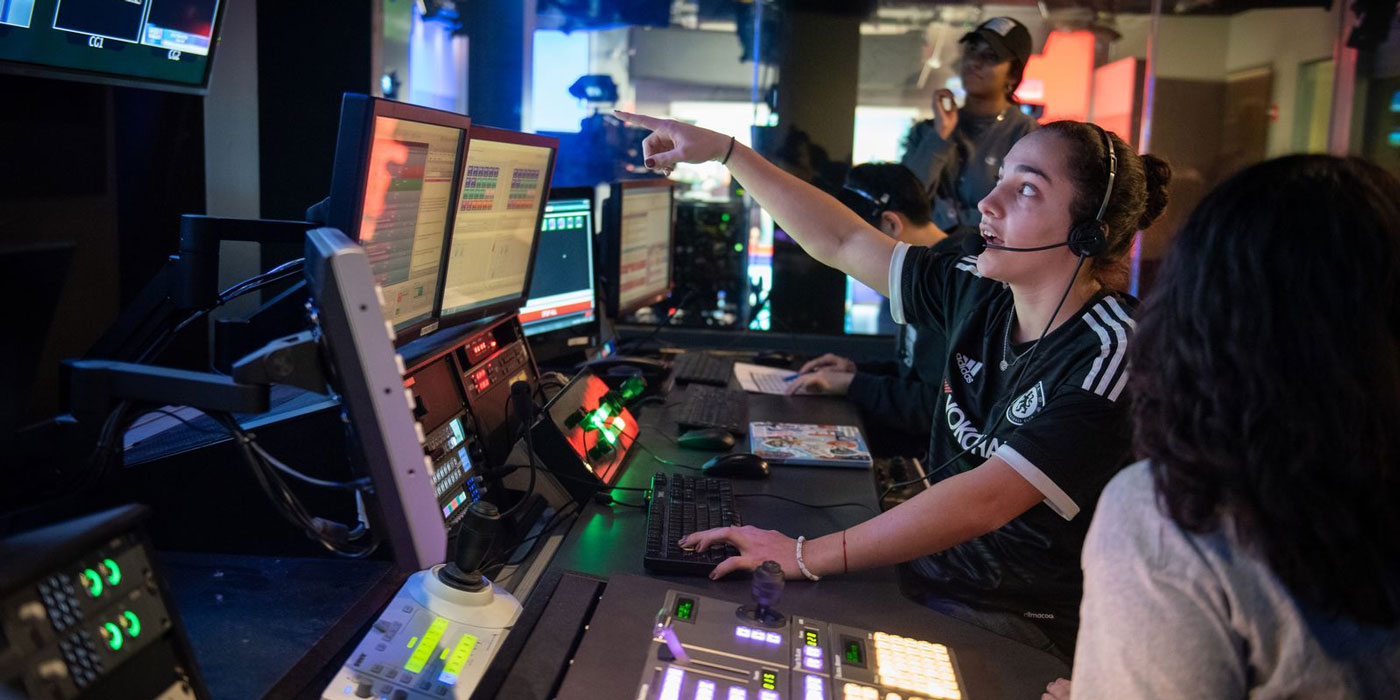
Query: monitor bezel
x=612, y=235
x=41, y=70
x=511, y=304
x=554, y=344
x=346, y=204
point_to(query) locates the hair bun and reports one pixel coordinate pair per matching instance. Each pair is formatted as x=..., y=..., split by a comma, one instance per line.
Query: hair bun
x=1158, y=174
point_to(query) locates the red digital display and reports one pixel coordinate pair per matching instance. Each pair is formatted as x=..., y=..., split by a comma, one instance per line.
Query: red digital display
x=482, y=381
x=480, y=349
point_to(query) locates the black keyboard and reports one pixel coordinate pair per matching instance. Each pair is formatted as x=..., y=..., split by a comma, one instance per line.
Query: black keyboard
x=710, y=407
x=681, y=505
x=700, y=368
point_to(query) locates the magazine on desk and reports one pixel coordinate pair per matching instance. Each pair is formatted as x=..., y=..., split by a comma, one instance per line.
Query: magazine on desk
x=809, y=444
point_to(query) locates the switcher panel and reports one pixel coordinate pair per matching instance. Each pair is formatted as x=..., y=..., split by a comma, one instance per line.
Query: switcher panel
x=732, y=657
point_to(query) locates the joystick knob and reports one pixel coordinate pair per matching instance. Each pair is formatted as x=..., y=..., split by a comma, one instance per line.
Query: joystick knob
x=766, y=590
x=474, y=538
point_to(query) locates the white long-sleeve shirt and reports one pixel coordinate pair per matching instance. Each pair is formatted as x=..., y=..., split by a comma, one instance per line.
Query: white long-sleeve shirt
x=1173, y=614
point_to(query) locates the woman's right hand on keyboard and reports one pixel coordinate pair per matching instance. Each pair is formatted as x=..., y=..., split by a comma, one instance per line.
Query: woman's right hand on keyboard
x=755, y=547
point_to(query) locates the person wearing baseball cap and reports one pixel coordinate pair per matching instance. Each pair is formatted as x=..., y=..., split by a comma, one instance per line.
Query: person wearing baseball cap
x=957, y=153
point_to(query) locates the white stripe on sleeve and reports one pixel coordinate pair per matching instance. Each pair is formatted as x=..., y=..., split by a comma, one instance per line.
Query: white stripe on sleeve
x=897, y=282
x=1055, y=497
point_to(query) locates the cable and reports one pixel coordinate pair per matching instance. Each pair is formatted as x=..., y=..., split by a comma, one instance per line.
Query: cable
x=998, y=410
x=817, y=506
x=554, y=521
x=330, y=535
x=523, y=403
x=661, y=459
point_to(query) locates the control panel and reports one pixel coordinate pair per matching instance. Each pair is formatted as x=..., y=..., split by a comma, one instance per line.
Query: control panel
x=729, y=654
x=86, y=617
x=411, y=653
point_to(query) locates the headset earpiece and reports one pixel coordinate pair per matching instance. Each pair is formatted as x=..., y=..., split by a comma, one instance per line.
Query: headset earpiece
x=1089, y=238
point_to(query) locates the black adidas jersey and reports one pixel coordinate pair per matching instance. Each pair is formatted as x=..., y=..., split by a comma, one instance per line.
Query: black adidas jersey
x=1063, y=427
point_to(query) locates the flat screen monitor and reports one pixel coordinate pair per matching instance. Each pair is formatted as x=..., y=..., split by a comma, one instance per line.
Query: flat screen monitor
x=393, y=190
x=640, y=236
x=166, y=44
x=501, y=199
x=379, y=409
x=561, y=315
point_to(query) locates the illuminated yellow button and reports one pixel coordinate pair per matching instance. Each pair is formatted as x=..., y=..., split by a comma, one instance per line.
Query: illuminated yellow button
x=426, y=646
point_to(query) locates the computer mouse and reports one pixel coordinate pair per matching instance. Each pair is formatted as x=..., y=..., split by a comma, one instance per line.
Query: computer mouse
x=741, y=465
x=706, y=439
x=774, y=358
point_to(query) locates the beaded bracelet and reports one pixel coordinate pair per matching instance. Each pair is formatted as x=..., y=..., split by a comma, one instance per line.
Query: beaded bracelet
x=801, y=565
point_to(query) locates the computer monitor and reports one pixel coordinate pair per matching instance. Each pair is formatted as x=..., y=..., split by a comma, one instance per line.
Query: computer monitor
x=502, y=195
x=393, y=190
x=638, y=240
x=165, y=44
x=561, y=316
x=368, y=379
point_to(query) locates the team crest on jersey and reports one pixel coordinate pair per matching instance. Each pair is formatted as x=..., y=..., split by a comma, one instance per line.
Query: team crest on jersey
x=1026, y=405
x=969, y=367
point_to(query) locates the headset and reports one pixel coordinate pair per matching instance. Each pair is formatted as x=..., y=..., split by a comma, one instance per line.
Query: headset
x=867, y=206
x=1089, y=238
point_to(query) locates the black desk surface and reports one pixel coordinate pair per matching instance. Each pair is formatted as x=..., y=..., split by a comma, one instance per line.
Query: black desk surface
x=606, y=541
x=274, y=627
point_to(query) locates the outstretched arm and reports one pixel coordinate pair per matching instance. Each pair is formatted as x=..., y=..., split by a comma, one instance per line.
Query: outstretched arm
x=824, y=227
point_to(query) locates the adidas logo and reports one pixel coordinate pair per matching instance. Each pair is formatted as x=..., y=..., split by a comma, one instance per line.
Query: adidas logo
x=968, y=367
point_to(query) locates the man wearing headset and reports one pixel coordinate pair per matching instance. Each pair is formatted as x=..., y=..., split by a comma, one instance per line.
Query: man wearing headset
x=957, y=153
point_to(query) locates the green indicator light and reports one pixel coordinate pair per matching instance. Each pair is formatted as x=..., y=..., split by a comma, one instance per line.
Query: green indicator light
x=443, y=655
x=94, y=582
x=460, y=653
x=425, y=649
x=411, y=642
x=610, y=436
x=810, y=637
x=133, y=624
x=113, y=634
x=723, y=217
x=114, y=572
x=770, y=680
x=738, y=247
x=685, y=609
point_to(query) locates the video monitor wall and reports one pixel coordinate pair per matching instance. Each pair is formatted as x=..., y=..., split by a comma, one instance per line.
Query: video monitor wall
x=149, y=43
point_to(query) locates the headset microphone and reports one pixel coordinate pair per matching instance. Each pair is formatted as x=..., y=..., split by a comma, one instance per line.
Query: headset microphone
x=975, y=244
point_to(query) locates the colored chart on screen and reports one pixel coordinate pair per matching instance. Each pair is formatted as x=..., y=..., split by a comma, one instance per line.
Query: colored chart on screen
x=408, y=196
x=561, y=290
x=496, y=223
x=644, y=268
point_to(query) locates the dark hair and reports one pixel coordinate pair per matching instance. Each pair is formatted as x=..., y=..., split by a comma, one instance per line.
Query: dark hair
x=1139, y=188
x=906, y=194
x=1266, y=377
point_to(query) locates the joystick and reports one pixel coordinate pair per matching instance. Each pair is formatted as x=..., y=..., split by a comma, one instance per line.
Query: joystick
x=767, y=590
x=458, y=590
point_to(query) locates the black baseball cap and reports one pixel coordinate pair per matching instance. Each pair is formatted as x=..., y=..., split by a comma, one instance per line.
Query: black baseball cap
x=1007, y=37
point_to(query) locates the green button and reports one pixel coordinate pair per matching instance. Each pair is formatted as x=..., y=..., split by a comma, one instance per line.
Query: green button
x=114, y=635
x=114, y=572
x=94, y=582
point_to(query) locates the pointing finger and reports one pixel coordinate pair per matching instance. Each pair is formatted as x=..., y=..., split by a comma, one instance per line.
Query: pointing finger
x=641, y=120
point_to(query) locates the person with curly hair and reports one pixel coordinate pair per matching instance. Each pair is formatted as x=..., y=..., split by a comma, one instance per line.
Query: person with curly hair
x=1031, y=420
x=1255, y=551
